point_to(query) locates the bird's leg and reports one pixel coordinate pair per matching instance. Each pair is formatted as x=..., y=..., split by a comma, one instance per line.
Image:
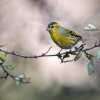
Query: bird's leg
x=70, y=49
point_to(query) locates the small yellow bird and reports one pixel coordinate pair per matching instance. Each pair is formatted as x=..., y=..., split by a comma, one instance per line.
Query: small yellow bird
x=63, y=37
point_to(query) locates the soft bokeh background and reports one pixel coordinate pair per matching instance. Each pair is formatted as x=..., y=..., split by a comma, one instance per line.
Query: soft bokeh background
x=23, y=29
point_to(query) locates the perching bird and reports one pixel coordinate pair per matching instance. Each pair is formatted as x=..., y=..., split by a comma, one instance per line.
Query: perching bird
x=63, y=37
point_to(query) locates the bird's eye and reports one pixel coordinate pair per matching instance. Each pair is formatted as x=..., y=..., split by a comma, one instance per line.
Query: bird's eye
x=52, y=26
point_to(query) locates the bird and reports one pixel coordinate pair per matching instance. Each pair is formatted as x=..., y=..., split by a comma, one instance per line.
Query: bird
x=63, y=37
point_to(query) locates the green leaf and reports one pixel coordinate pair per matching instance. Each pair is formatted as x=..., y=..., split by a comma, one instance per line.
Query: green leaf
x=17, y=79
x=78, y=56
x=89, y=56
x=74, y=53
x=84, y=39
x=21, y=76
x=98, y=55
x=18, y=82
x=76, y=48
x=2, y=57
x=66, y=56
x=9, y=66
x=91, y=28
x=90, y=68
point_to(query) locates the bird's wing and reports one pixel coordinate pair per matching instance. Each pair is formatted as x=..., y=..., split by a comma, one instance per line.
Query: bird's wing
x=68, y=32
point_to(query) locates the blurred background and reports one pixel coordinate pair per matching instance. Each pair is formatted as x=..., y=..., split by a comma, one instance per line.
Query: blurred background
x=23, y=26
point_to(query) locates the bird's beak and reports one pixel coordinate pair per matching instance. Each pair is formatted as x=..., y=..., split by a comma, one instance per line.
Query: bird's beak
x=48, y=29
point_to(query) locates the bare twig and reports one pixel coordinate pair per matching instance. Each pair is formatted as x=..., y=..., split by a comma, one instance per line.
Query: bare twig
x=47, y=51
x=51, y=55
x=23, y=80
x=59, y=55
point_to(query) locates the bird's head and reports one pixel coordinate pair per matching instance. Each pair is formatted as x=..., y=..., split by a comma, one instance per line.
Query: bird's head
x=53, y=27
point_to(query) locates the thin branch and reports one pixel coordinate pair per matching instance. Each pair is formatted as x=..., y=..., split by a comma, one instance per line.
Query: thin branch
x=59, y=55
x=47, y=51
x=22, y=80
x=51, y=55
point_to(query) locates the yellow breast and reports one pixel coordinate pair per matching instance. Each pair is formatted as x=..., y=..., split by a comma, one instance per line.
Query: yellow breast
x=64, y=42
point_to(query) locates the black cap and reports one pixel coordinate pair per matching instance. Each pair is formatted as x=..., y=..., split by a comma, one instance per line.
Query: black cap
x=52, y=23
